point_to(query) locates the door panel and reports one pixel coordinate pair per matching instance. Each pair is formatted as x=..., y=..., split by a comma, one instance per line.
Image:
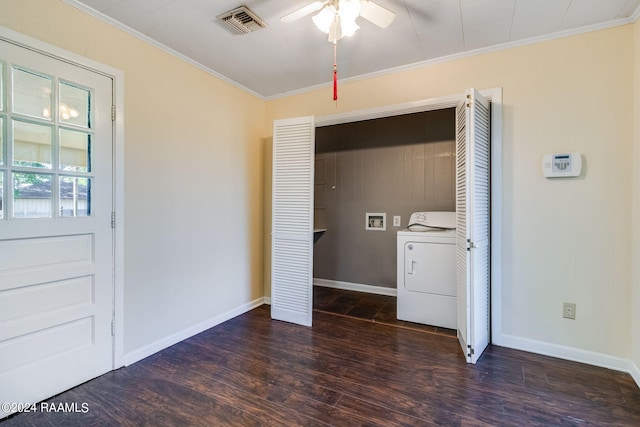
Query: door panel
x=56, y=243
x=479, y=191
x=472, y=217
x=425, y=269
x=292, y=226
x=462, y=253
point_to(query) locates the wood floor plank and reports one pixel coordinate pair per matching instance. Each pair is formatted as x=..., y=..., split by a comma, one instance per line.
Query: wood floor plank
x=340, y=376
x=253, y=371
x=440, y=387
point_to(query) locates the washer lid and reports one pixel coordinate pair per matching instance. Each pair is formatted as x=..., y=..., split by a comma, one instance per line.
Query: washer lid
x=428, y=235
x=424, y=221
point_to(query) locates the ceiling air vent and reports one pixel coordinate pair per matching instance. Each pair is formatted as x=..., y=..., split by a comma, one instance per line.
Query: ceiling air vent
x=242, y=20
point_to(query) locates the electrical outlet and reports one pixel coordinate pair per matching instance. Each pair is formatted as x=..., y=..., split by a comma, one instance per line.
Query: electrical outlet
x=568, y=310
x=396, y=221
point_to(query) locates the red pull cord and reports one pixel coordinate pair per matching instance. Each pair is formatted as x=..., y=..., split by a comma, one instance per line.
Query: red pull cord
x=335, y=73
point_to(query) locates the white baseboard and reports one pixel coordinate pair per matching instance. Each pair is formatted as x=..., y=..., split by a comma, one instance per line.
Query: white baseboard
x=635, y=373
x=380, y=290
x=510, y=341
x=570, y=353
x=161, y=344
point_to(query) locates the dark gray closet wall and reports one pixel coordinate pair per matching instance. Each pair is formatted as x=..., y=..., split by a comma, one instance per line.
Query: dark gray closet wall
x=397, y=165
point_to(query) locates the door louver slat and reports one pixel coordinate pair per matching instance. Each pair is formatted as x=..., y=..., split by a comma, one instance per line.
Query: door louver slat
x=473, y=219
x=292, y=223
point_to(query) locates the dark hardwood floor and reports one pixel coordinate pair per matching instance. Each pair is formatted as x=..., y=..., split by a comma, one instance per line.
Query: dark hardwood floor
x=366, y=306
x=252, y=371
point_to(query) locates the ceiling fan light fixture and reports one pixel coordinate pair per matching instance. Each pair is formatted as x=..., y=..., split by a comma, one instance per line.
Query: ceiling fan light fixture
x=349, y=28
x=335, y=32
x=325, y=18
x=338, y=19
x=344, y=11
x=349, y=10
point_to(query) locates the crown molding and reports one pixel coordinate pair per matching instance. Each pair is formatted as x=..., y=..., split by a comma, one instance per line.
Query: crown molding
x=635, y=15
x=482, y=51
x=137, y=34
x=471, y=53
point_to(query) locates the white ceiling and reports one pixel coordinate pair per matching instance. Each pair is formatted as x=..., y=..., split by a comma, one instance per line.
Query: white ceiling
x=285, y=58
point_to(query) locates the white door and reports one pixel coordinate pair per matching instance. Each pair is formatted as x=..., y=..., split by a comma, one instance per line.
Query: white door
x=426, y=268
x=292, y=223
x=472, y=211
x=56, y=244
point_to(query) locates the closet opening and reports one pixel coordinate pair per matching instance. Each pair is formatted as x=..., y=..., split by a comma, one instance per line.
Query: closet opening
x=478, y=206
x=392, y=166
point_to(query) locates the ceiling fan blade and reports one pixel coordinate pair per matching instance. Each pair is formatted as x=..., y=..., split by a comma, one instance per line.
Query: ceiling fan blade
x=303, y=11
x=375, y=13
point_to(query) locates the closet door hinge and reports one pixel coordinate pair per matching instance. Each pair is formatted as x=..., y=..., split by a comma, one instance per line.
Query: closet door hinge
x=468, y=101
x=113, y=113
x=470, y=245
x=113, y=220
x=470, y=351
x=113, y=327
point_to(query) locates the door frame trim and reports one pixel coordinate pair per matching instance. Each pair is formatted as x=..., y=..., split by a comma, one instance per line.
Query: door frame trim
x=117, y=77
x=495, y=97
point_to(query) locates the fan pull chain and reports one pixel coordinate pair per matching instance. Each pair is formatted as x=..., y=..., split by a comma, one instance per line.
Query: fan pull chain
x=335, y=72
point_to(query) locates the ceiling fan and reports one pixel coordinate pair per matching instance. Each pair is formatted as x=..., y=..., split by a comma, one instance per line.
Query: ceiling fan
x=337, y=18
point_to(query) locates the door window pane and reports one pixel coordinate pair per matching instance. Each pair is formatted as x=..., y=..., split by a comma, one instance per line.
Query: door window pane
x=1, y=86
x=32, y=195
x=75, y=105
x=31, y=145
x=1, y=141
x=1, y=195
x=75, y=151
x=75, y=196
x=31, y=94
x=46, y=145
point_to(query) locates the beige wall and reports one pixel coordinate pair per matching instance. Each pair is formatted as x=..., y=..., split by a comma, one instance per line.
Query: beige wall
x=635, y=261
x=563, y=240
x=193, y=176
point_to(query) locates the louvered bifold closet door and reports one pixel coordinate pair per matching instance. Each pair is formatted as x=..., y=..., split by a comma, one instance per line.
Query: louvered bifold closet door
x=480, y=193
x=292, y=226
x=473, y=220
x=462, y=254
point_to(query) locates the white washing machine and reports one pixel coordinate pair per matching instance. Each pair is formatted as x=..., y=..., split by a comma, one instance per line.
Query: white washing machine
x=427, y=277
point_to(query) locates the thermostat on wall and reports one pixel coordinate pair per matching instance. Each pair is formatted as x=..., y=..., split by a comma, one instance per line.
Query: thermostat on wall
x=561, y=165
